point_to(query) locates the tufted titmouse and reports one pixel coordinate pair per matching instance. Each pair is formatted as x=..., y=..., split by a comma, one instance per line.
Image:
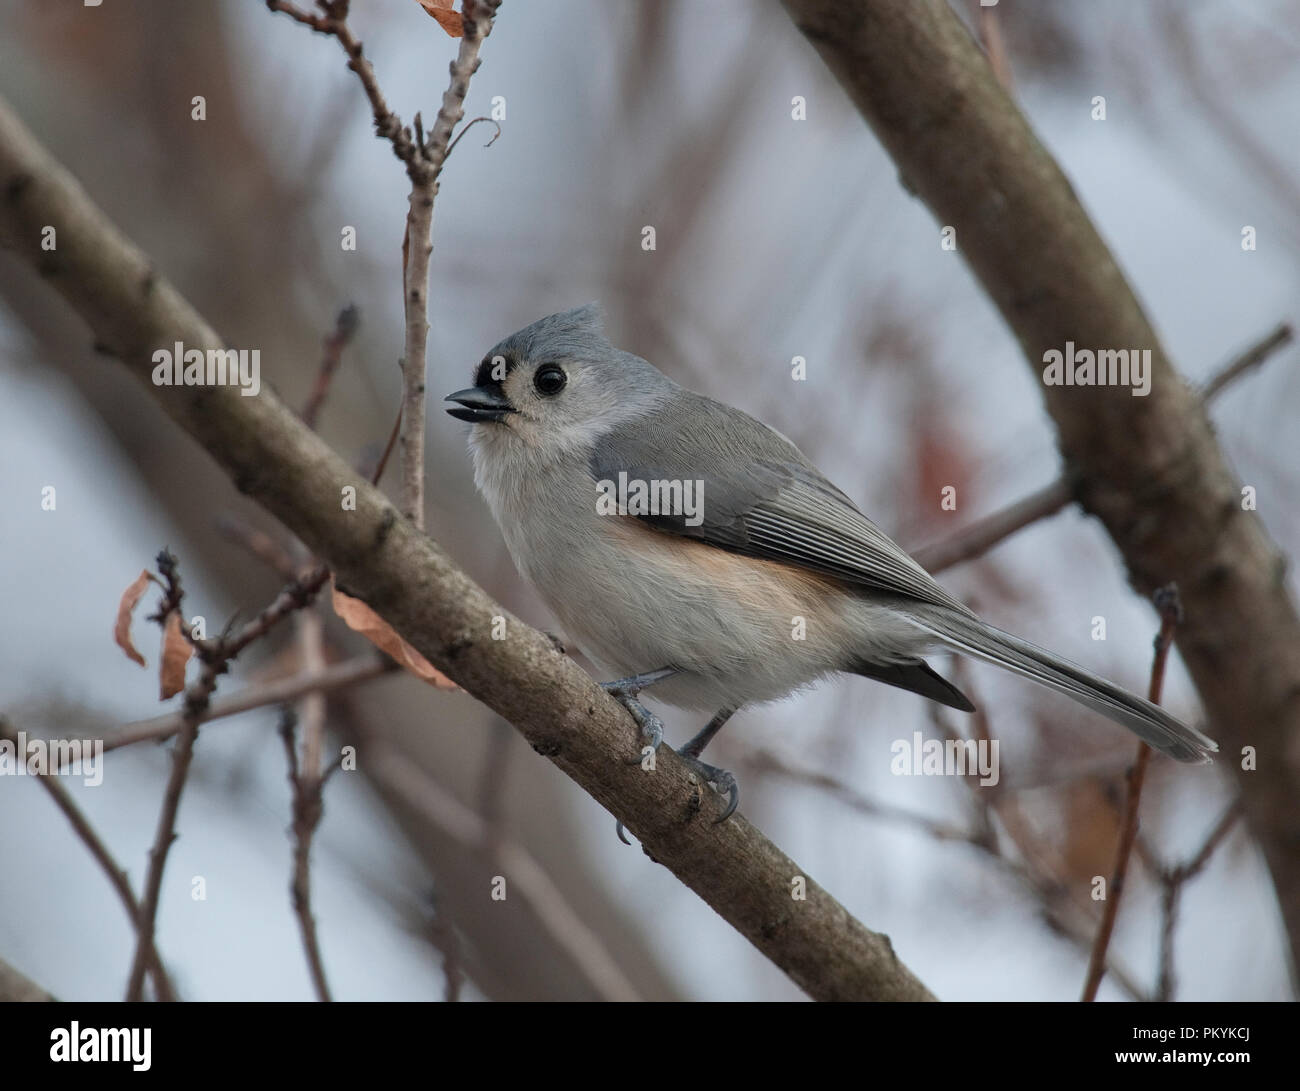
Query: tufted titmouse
x=681, y=544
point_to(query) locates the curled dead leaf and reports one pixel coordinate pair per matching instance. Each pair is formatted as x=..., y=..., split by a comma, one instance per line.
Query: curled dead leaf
x=125, y=608
x=450, y=21
x=358, y=616
x=176, y=652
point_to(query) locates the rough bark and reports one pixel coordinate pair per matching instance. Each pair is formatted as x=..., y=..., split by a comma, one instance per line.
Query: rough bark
x=1148, y=467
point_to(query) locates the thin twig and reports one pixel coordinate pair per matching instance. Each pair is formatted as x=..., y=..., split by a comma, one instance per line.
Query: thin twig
x=1248, y=360
x=469, y=125
x=345, y=328
x=1032, y=869
x=443, y=934
x=350, y=672
x=215, y=656
x=424, y=160
x=258, y=543
x=116, y=874
x=984, y=534
x=1167, y=602
x=995, y=48
x=333, y=22
x=196, y=698
x=307, y=809
x=1174, y=880
x=765, y=761
x=417, y=248
x=395, y=773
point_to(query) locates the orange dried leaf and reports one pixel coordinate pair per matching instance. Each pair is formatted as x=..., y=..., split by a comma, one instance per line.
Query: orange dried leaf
x=176, y=652
x=449, y=20
x=359, y=617
x=125, y=608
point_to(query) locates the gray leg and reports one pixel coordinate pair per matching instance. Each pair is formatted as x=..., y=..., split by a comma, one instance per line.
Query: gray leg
x=724, y=781
x=719, y=778
x=695, y=747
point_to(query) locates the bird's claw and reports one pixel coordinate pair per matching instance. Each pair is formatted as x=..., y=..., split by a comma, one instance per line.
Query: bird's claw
x=652, y=728
x=723, y=782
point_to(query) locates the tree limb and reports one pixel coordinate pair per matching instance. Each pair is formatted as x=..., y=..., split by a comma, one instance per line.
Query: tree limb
x=1148, y=467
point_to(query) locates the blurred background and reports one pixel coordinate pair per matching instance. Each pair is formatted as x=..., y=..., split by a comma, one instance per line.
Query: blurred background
x=775, y=238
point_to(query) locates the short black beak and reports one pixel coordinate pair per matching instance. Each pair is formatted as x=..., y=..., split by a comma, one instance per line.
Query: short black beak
x=479, y=403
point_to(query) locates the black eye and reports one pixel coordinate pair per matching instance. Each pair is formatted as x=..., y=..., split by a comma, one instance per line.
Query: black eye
x=550, y=379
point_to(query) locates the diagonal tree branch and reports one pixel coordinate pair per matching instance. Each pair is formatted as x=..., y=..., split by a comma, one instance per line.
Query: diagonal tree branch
x=1148, y=467
x=18, y=988
x=404, y=575
x=116, y=876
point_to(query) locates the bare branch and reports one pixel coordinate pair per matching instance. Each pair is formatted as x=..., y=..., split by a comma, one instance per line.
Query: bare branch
x=1149, y=468
x=345, y=328
x=333, y=22
x=394, y=772
x=215, y=656
x=424, y=161
x=983, y=535
x=307, y=809
x=116, y=874
x=337, y=676
x=18, y=988
x=1167, y=602
x=1248, y=360
x=1173, y=881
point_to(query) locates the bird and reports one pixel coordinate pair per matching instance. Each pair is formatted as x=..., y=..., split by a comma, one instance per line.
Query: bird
x=688, y=548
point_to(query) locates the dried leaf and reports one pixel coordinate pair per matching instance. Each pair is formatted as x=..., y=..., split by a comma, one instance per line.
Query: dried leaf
x=176, y=652
x=449, y=20
x=358, y=616
x=125, y=608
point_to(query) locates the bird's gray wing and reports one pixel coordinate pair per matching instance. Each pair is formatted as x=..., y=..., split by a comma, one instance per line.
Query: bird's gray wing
x=761, y=496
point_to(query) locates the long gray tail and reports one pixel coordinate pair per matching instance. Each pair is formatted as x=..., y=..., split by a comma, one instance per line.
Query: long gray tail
x=1152, y=724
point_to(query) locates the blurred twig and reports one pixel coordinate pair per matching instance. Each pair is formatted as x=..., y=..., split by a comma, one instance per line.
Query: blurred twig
x=1172, y=881
x=394, y=772
x=1167, y=602
x=115, y=873
x=995, y=46
x=215, y=656
x=345, y=328
x=305, y=782
x=985, y=533
x=350, y=672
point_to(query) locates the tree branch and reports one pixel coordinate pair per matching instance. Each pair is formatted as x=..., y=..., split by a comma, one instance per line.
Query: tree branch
x=337, y=676
x=215, y=656
x=983, y=535
x=116, y=875
x=1148, y=467
x=1170, y=615
x=18, y=988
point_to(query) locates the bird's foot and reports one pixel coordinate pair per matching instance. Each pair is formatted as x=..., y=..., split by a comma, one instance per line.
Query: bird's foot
x=626, y=691
x=652, y=728
x=724, y=782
